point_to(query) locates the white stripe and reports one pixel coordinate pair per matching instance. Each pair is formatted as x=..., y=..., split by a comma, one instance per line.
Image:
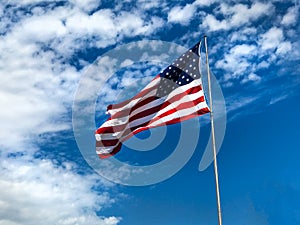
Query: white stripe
x=134, y=101
x=183, y=88
x=130, y=104
x=179, y=114
x=150, y=105
x=124, y=120
x=186, y=98
x=141, y=120
x=115, y=122
x=108, y=136
x=137, y=122
x=104, y=150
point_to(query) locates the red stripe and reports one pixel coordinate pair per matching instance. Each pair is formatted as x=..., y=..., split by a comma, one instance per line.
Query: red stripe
x=181, y=106
x=175, y=120
x=145, y=113
x=127, y=111
x=179, y=96
x=181, y=119
x=139, y=95
x=130, y=131
x=104, y=143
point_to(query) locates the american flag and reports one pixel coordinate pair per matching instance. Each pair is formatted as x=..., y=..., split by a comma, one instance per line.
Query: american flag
x=173, y=96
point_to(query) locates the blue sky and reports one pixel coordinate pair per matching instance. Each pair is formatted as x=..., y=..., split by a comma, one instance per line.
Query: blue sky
x=47, y=48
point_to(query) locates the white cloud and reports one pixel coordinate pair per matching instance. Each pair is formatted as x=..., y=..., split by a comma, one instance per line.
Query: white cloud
x=23, y=2
x=278, y=99
x=101, y=22
x=126, y=62
x=251, y=77
x=41, y=28
x=271, y=39
x=284, y=48
x=182, y=15
x=204, y=2
x=214, y=24
x=37, y=82
x=149, y=5
x=238, y=102
x=242, y=14
x=86, y=5
x=36, y=92
x=263, y=64
x=34, y=89
x=35, y=191
x=236, y=15
x=243, y=34
x=243, y=50
x=290, y=18
x=236, y=60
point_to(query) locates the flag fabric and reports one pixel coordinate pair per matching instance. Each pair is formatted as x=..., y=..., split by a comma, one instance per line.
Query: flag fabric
x=173, y=96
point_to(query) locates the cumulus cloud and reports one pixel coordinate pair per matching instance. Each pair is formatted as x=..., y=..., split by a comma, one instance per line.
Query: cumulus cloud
x=236, y=60
x=38, y=82
x=251, y=77
x=284, y=48
x=290, y=18
x=182, y=15
x=236, y=15
x=86, y=5
x=204, y=2
x=36, y=191
x=271, y=39
x=214, y=24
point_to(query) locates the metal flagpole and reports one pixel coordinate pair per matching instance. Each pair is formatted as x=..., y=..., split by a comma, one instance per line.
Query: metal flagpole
x=213, y=135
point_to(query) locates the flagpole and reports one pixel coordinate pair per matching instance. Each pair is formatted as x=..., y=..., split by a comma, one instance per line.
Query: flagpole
x=213, y=135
